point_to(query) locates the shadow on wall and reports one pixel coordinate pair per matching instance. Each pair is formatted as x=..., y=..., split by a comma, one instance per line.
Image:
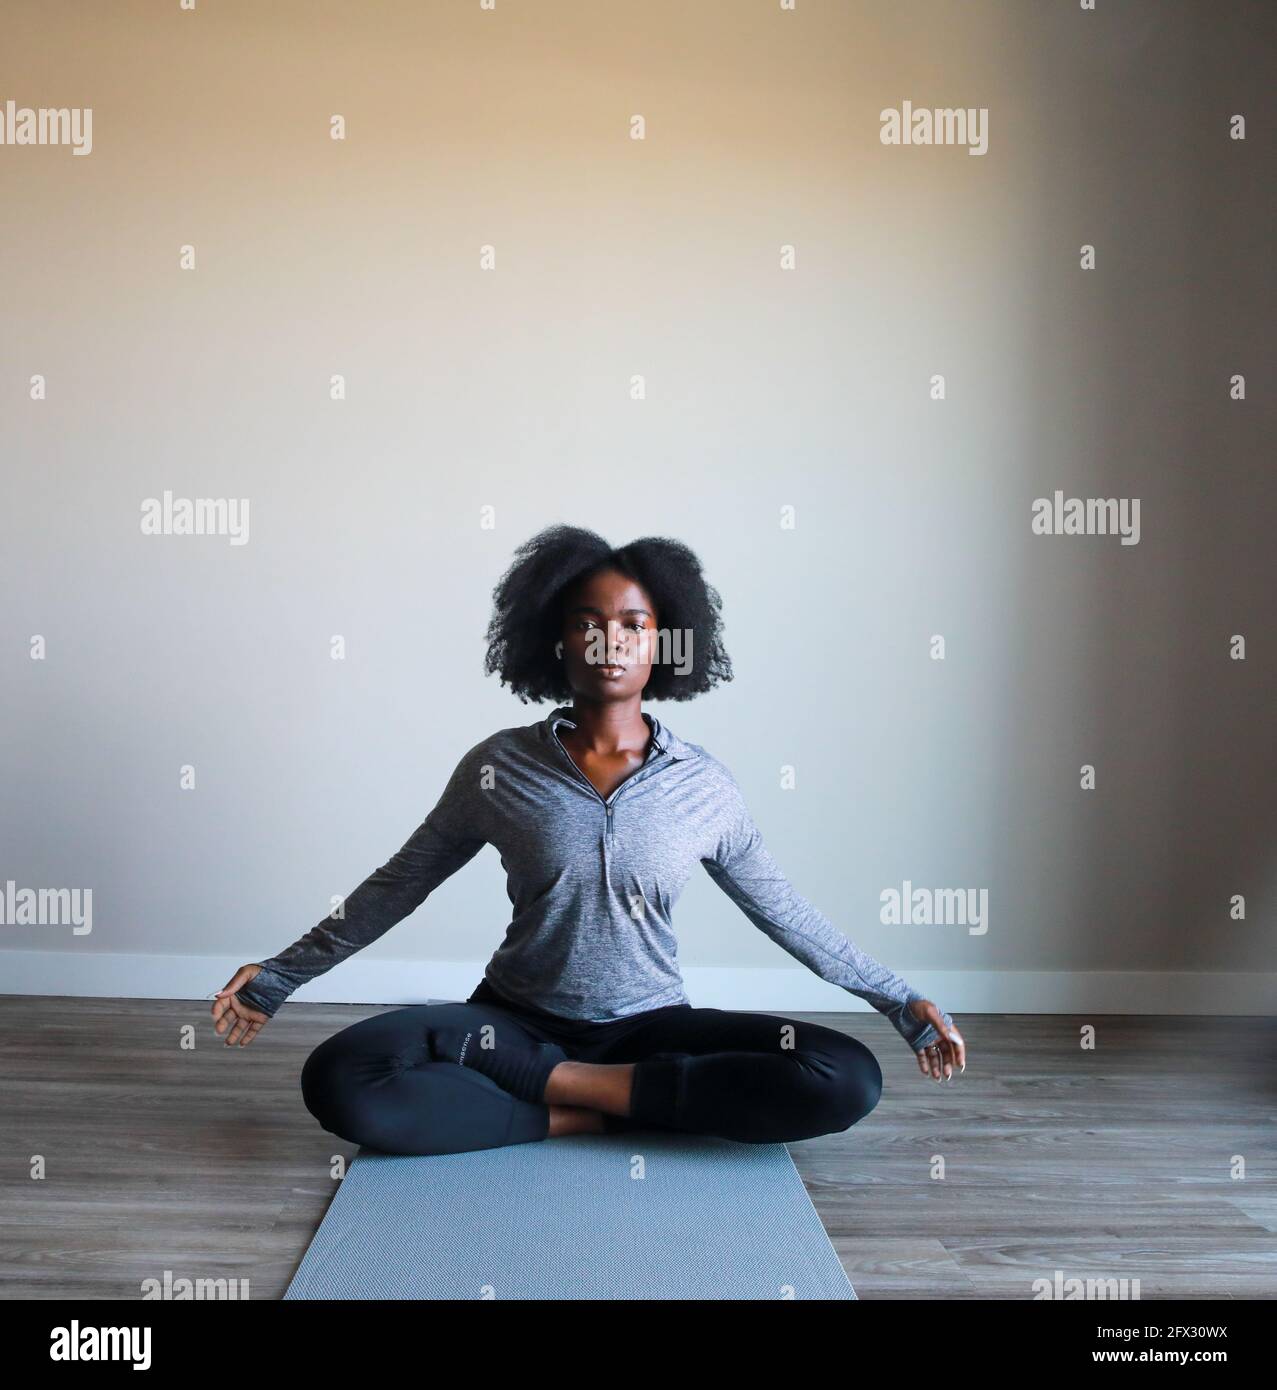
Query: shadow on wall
x=1127, y=646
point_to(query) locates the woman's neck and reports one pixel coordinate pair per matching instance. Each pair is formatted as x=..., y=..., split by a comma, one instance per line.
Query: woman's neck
x=610, y=729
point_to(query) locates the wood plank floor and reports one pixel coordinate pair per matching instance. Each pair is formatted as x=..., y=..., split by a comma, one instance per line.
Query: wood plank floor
x=1113, y=1163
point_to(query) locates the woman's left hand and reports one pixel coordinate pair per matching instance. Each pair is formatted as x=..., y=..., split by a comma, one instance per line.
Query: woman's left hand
x=941, y=1056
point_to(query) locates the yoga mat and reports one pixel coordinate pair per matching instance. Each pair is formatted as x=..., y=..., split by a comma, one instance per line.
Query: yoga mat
x=638, y=1215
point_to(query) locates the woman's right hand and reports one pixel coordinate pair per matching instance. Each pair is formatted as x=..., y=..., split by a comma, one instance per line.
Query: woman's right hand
x=230, y=1012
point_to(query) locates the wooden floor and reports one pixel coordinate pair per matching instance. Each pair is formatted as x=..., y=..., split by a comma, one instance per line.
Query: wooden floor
x=1116, y=1163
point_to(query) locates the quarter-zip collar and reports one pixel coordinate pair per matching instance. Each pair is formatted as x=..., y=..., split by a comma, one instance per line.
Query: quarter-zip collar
x=664, y=738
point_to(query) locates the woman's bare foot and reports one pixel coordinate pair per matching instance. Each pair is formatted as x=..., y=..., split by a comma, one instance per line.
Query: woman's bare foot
x=573, y=1119
x=592, y=1085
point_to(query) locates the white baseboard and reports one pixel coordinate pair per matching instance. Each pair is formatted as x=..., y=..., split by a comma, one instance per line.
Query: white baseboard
x=103, y=975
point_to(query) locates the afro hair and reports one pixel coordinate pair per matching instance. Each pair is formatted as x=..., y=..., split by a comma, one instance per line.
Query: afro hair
x=528, y=604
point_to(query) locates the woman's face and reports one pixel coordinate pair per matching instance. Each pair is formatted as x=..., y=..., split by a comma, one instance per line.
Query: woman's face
x=608, y=618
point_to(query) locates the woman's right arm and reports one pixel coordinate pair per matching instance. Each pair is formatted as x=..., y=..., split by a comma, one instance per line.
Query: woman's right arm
x=449, y=837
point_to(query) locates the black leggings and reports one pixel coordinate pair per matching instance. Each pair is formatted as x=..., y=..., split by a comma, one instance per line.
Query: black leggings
x=758, y=1078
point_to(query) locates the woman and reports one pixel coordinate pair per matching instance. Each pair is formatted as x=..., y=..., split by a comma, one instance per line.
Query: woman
x=600, y=813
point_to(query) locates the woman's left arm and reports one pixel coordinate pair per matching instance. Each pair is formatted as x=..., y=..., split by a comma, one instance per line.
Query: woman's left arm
x=744, y=869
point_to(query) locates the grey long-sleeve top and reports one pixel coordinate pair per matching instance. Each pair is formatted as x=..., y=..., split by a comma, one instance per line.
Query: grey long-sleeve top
x=592, y=880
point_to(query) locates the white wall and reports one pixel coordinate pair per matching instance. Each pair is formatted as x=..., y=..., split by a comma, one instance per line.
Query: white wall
x=510, y=389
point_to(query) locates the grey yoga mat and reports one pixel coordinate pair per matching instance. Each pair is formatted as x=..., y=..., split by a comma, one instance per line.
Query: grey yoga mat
x=638, y=1215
